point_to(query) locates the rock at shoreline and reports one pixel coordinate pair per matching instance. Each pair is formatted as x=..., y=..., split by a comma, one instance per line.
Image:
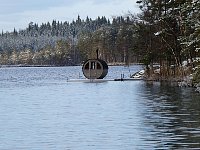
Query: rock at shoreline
x=138, y=75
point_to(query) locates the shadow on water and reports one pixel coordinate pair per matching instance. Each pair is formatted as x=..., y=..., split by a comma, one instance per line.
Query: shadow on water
x=174, y=115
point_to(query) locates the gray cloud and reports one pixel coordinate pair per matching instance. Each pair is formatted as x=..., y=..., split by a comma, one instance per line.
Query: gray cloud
x=18, y=13
x=13, y=6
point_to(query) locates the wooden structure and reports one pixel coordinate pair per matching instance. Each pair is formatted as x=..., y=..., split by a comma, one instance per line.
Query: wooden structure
x=95, y=69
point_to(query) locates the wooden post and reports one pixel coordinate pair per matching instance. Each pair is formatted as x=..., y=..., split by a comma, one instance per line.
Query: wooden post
x=97, y=52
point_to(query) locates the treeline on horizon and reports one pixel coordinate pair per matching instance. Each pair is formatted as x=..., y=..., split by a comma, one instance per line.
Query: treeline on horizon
x=64, y=43
x=166, y=32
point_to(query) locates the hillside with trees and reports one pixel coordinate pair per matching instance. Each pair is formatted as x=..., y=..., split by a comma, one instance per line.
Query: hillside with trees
x=64, y=43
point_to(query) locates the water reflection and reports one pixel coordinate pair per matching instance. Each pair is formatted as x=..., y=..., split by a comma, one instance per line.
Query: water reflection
x=173, y=114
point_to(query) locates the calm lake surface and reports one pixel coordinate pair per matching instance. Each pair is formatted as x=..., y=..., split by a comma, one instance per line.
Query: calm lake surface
x=41, y=110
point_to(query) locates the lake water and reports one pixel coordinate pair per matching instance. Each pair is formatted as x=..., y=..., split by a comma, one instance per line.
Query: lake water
x=41, y=110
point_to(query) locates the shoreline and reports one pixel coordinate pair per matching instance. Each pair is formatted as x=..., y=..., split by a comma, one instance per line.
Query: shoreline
x=26, y=65
x=186, y=81
x=180, y=81
x=22, y=65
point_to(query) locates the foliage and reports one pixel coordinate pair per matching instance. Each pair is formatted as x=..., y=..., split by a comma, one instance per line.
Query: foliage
x=171, y=32
x=66, y=43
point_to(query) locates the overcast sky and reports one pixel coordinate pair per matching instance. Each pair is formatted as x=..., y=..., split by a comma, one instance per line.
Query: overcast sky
x=18, y=13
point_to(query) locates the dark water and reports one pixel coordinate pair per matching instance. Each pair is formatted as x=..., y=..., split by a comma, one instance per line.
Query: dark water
x=40, y=110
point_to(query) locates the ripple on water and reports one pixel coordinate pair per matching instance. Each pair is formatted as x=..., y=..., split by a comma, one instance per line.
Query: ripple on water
x=41, y=110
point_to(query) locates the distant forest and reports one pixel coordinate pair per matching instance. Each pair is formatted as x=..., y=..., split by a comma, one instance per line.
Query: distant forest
x=166, y=32
x=64, y=43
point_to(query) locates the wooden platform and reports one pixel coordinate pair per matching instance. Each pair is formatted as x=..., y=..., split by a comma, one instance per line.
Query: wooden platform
x=102, y=80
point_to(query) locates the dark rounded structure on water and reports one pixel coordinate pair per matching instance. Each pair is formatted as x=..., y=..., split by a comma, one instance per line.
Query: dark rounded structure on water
x=95, y=69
